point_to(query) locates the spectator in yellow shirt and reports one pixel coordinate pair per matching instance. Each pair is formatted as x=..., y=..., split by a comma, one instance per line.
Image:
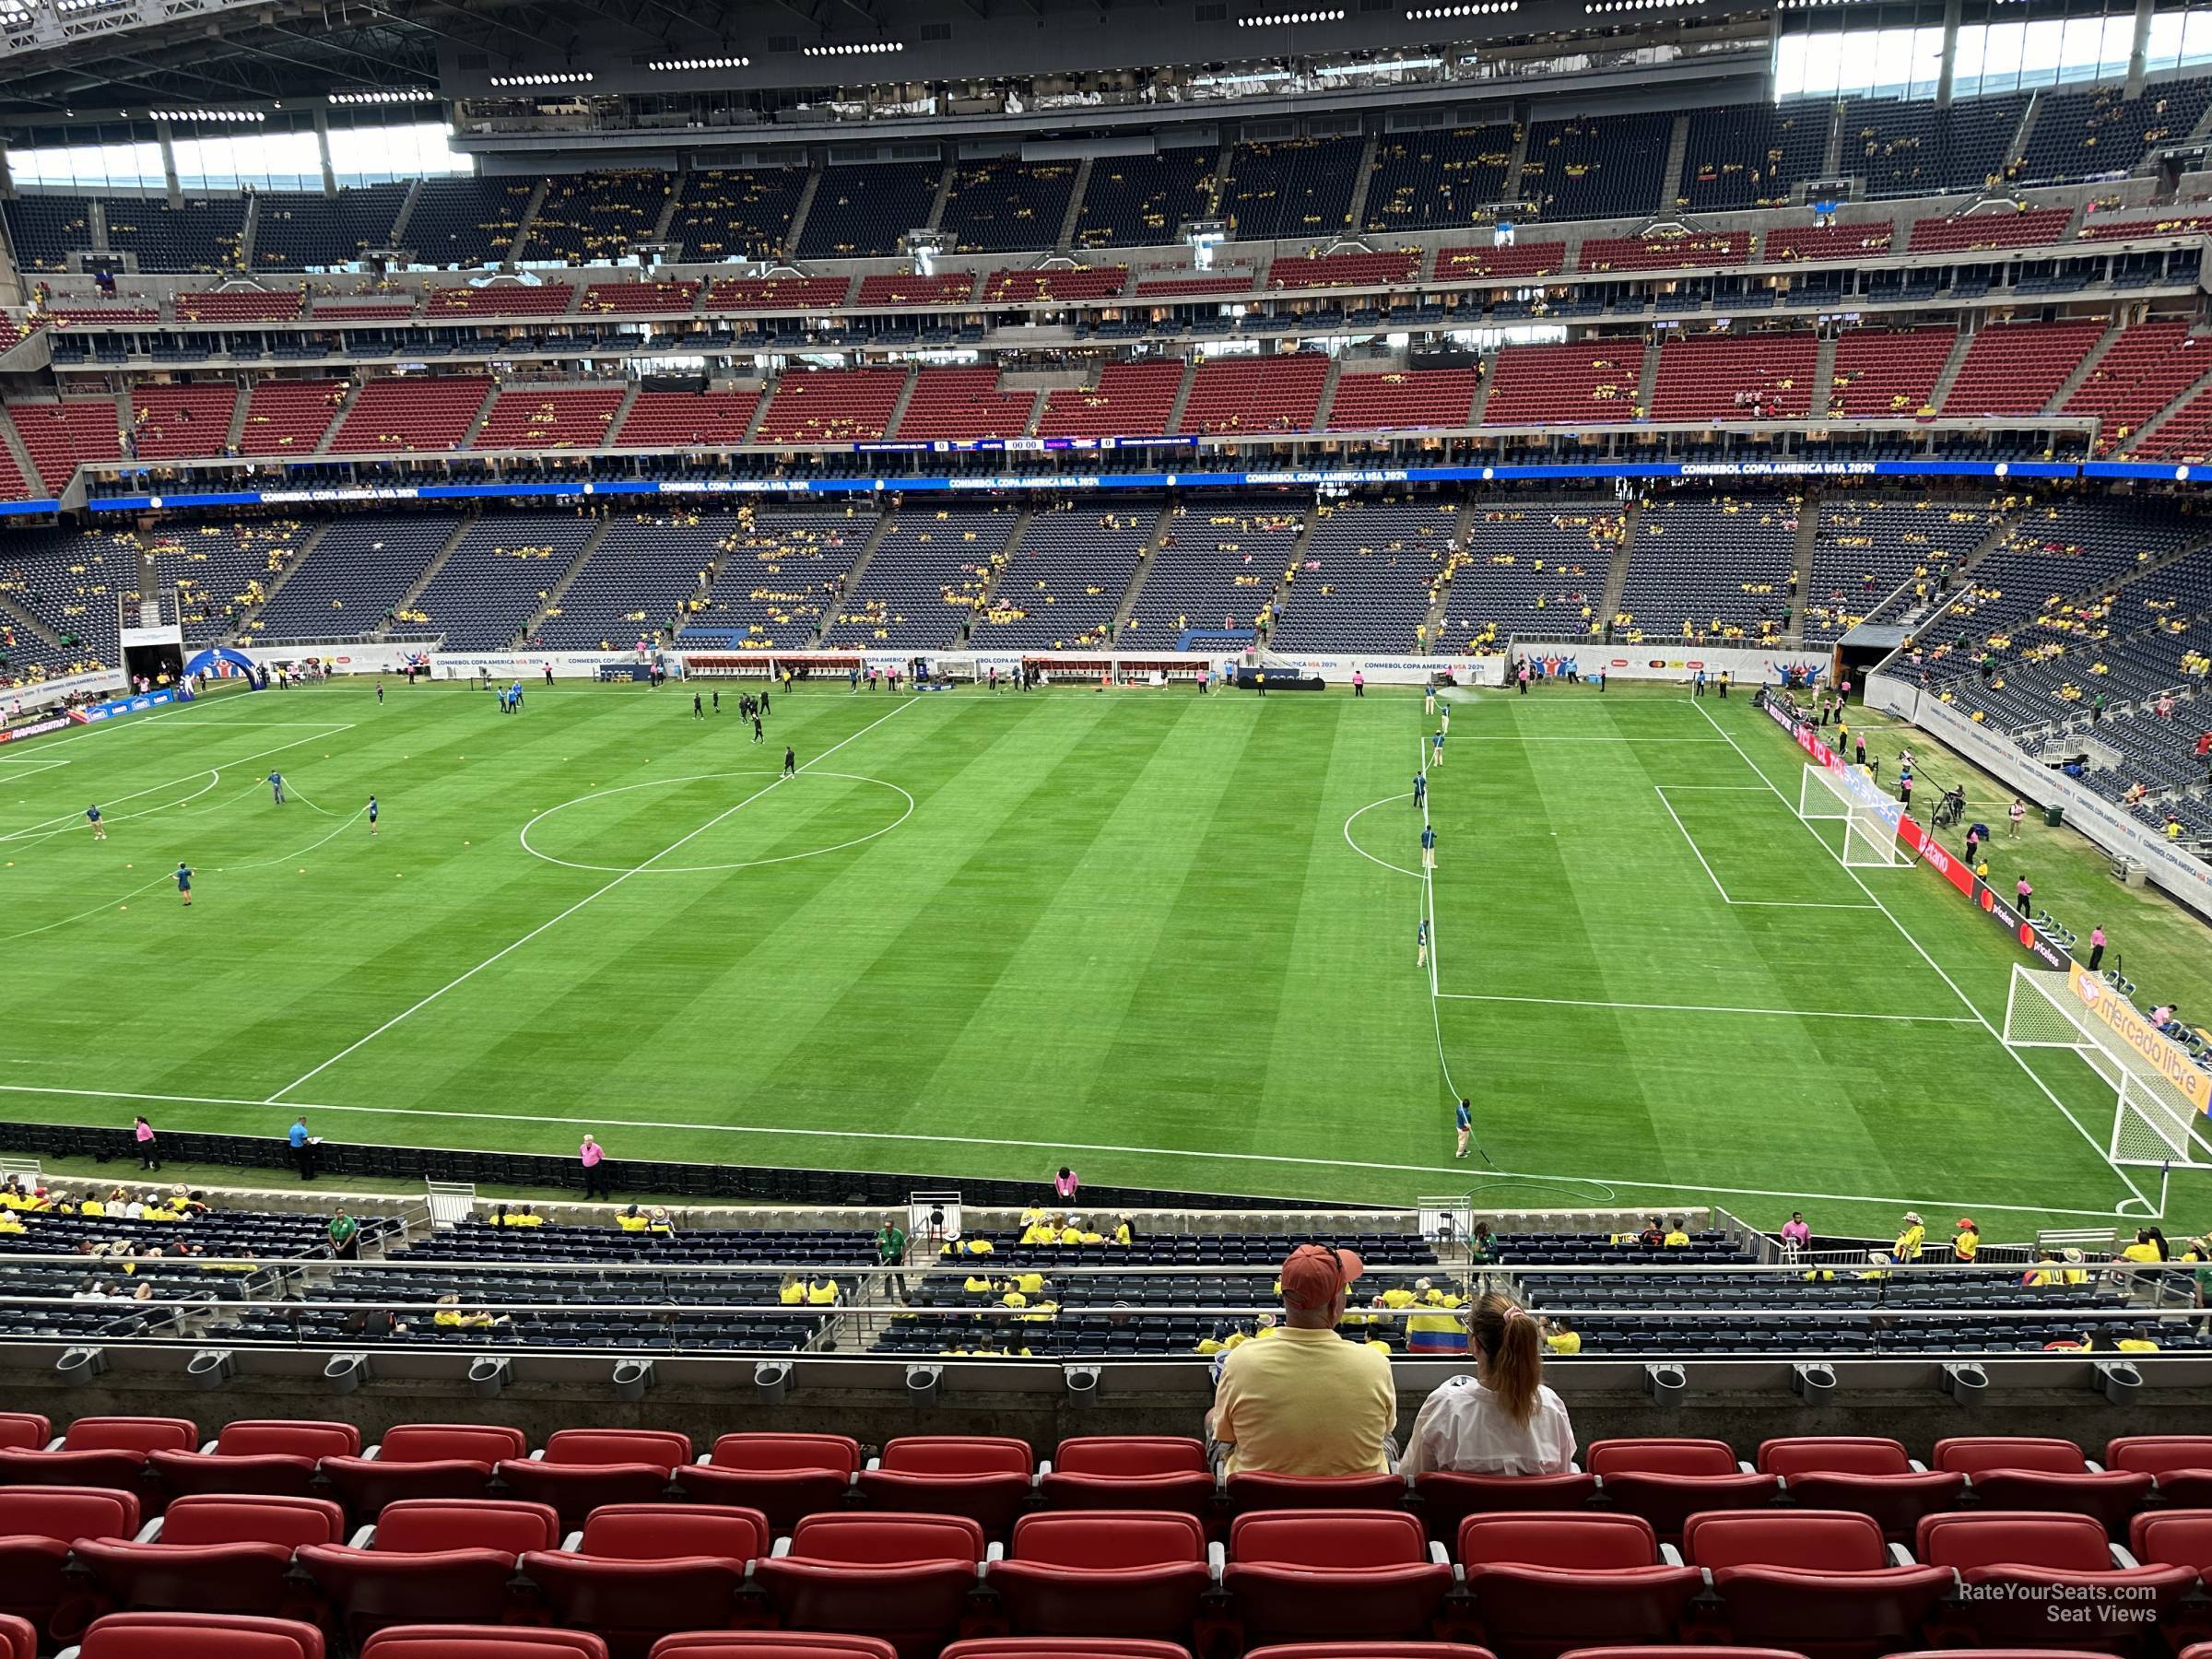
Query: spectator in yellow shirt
x=822, y=1293
x=1559, y=1338
x=631, y=1219
x=792, y=1291
x=1966, y=1241
x=1678, y=1236
x=1908, y=1239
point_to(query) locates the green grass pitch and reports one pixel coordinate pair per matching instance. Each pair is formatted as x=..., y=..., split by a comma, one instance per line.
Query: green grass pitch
x=1168, y=938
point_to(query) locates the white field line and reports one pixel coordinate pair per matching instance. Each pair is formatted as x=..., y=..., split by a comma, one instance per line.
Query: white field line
x=1726, y=897
x=1576, y=1002
x=31, y=830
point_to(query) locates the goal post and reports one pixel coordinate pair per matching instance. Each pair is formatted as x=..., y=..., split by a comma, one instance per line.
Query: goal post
x=2159, y=1095
x=1868, y=842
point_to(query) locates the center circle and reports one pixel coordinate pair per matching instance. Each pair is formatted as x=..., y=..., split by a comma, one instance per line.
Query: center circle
x=759, y=808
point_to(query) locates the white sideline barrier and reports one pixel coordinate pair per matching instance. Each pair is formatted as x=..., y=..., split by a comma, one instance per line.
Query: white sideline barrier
x=46, y=693
x=1746, y=666
x=2187, y=878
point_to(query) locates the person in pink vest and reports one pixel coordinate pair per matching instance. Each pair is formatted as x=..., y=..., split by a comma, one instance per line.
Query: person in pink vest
x=149, y=1149
x=1064, y=1185
x=593, y=1158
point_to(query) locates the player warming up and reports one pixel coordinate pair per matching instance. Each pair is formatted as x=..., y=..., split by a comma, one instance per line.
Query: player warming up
x=372, y=817
x=184, y=883
x=276, y=787
x=99, y=827
x=791, y=767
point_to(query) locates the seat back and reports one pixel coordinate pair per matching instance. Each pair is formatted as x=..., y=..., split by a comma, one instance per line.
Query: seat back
x=24, y=1431
x=1328, y=1542
x=1081, y=1541
x=1660, y=1456
x=470, y=1641
x=131, y=1434
x=837, y=1454
x=199, y=1636
x=1971, y=1454
x=1834, y=1455
x=19, y=1638
x=769, y=1644
x=67, y=1513
x=1130, y=1454
x=218, y=1519
x=1589, y=1543
x=419, y=1525
x=2172, y=1538
x=886, y=1540
x=1815, y=1540
x=661, y=1532
x=1965, y=1539
x=661, y=1448
x=2152, y=1454
x=957, y=1454
x=1063, y=1647
x=460, y=1443
x=265, y=1438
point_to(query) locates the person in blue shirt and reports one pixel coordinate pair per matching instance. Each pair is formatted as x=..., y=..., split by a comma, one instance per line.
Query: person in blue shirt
x=1420, y=943
x=1421, y=789
x=372, y=815
x=1428, y=846
x=1698, y=686
x=1435, y=750
x=514, y=696
x=184, y=883
x=100, y=829
x=302, y=1146
x=1601, y=677
x=276, y=787
x=1465, y=1121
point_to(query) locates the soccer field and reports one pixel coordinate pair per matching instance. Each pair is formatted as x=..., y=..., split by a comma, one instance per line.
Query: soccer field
x=1168, y=938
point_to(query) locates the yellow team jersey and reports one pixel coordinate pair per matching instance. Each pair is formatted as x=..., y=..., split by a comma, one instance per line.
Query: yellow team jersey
x=1564, y=1342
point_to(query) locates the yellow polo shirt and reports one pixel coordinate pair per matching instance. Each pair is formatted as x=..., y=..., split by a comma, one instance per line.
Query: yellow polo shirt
x=1306, y=1402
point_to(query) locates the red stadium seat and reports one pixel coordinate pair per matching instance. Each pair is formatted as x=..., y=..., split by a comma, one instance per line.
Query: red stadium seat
x=18, y=1638
x=1698, y=1652
x=1543, y=1583
x=770, y=1644
x=100, y=1452
x=1863, y=1474
x=1130, y=1471
x=984, y=1478
x=422, y=1460
x=278, y=1458
x=2019, y=1473
x=2017, y=1559
x=1372, y=1649
x=1447, y=1498
x=582, y=1469
x=783, y=1476
x=215, y=1553
x=38, y=1525
x=1818, y=1579
x=1249, y=1494
x=467, y=1641
x=908, y=1579
x=1667, y=1481
x=446, y=1561
x=644, y=1571
x=1123, y=1572
x=2173, y=1539
x=1346, y=1573
x=1060, y=1647
x=24, y=1431
x=2180, y=1465
x=199, y=1636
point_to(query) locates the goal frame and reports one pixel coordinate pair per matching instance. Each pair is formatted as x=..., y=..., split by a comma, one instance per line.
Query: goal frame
x=2154, y=1123
x=1868, y=842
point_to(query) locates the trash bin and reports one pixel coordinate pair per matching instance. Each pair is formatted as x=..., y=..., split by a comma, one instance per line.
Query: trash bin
x=2055, y=815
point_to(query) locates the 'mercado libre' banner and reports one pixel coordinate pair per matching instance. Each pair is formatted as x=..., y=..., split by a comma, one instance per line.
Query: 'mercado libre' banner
x=2118, y=1016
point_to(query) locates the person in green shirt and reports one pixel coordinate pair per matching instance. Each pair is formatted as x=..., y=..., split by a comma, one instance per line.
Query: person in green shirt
x=344, y=1237
x=890, y=1252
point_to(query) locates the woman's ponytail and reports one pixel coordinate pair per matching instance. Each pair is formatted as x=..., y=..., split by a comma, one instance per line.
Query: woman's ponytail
x=1507, y=1336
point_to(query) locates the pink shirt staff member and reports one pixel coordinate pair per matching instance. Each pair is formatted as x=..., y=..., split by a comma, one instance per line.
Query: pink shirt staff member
x=2096, y=948
x=1796, y=1234
x=1064, y=1185
x=597, y=1183
x=149, y=1150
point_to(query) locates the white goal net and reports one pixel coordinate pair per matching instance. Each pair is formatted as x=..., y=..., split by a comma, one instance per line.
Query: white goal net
x=1867, y=840
x=2157, y=1091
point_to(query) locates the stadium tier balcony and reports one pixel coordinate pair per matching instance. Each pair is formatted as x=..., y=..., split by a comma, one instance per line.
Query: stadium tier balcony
x=619, y=299
x=1432, y=181
x=1884, y=373
x=1981, y=232
x=1256, y=394
x=1218, y=566
x=925, y=581
x=1063, y=583
x=1714, y=569
x=1055, y=284
x=500, y=574
x=1539, y=569
x=288, y=418
x=1403, y=399
x=1866, y=548
x=1005, y=204
x=221, y=572
x=965, y=404
x=1240, y=280
x=2125, y=222
x=595, y=218
x=2104, y=133
x=639, y=580
x=551, y=418
x=687, y=419
x=832, y=406
x=1750, y=155
x=1596, y=167
x=1518, y=259
x=307, y=230
x=240, y=305
x=1293, y=188
x=1586, y=382
x=724, y=214
x=2145, y=368
x=780, y=573
x=1913, y=147
x=45, y=230
x=352, y=580
x=500, y=299
x=60, y=433
x=200, y=235
x=778, y=293
x=905, y=288
x=862, y=212
x=1129, y=400
x=2018, y=368
x=1735, y=377
x=1815, y=244
x=1369, y=577
x=1143, y=201
x=1344, y=270
x=175, y=421
x=418, y=414
x=349, y=312
x=464, y=222
x=1664, y=251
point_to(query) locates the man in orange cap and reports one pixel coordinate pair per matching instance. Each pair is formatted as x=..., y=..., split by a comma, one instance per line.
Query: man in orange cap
x=1967, y=1242
x=1306, y=1402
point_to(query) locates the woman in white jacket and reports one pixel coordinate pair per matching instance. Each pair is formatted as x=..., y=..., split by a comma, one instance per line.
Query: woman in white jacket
x=1502, y=1420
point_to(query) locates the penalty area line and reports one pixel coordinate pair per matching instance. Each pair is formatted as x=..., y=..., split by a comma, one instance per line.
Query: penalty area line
x=1575, y=1001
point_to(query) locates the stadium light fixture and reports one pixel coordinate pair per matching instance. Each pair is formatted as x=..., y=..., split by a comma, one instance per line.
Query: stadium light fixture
x=1394, y=65
x=382, y=95
x=237, y=117
x=1250, y=78
x=1290, y=19
x=693, y=66
x=566, y=78
x=857, y=49
x=1479, y=8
